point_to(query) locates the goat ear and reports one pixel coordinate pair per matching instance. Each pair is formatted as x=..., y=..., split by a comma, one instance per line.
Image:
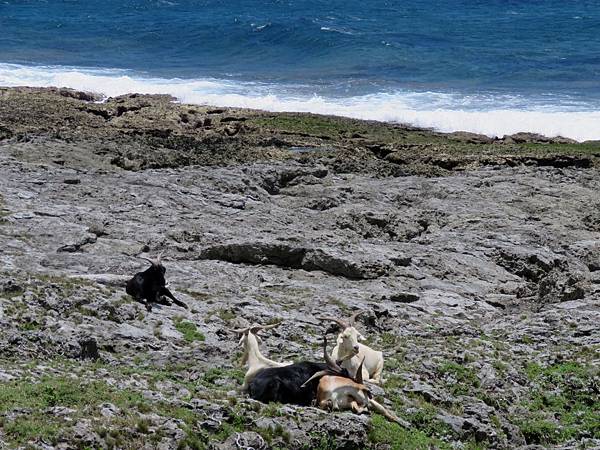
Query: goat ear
x=361, y=337
x=258, y=338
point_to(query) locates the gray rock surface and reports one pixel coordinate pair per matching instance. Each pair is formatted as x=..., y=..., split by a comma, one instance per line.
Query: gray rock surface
x=482, y=288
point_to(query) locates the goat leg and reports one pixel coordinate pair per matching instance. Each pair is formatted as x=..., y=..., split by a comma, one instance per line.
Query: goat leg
x=355, y=408
x=376, y=377
x=327, y=405
x=159, y=299
x=147, y=304
x=164, y=291
x=388, y=415
x=143, y=301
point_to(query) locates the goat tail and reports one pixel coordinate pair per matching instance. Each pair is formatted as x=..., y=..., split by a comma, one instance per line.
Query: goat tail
x=388, y=415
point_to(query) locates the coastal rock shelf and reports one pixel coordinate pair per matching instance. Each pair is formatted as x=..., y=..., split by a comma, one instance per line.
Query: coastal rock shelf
x=476, y=259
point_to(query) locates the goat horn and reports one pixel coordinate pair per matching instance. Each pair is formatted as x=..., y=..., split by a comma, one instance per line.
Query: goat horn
x=239, y=330
x=320, y=374
x=354, y=316
x=253, y=329
x=328, y=359
x=340, y=322
x=151, y=261
x=358, y=377
x=256, y=328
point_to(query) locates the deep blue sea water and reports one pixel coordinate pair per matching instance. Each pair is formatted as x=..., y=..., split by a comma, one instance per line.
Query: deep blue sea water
x=491, y=66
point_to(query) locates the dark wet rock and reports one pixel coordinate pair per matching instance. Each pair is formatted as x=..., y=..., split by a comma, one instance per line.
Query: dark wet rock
x=324, y=203
x=351, y=265
x=558, y=161
x=89, y=349
x=471, y=138
x=277, y=254
x=355, y=266
x=10, y=287
x=404, y=297
x=536, y=138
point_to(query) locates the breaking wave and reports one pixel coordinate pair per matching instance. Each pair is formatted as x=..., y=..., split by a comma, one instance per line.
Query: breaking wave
x=489, y=114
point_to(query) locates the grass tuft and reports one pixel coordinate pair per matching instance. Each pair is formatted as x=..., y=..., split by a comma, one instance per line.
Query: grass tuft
x=189, y=331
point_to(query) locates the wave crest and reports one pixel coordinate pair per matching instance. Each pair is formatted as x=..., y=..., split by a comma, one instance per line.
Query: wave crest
x=441, y=111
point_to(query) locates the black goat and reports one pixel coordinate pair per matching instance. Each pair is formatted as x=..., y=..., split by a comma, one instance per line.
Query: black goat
x=149, y=286
x=288, y=384
x=284, y=384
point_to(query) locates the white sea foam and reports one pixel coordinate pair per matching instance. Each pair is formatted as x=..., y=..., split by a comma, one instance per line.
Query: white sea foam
x=441, y=111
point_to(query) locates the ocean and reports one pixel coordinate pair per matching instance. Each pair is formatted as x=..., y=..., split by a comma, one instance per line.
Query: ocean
x=488, y=66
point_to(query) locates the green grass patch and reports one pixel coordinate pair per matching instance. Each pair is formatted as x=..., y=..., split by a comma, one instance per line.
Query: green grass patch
x=225, y=315
x=189, y=330
x=12, y=291
x=53, y=391
x=34, y=397
x=307, y=124
x=388, y=340
x=424, y=419
x=37, y=396
x=393, y=381
x=28, y=326
x=383, y=431
x=216, y=373
x=33, y=426
x=460, y=379
x=563, y=404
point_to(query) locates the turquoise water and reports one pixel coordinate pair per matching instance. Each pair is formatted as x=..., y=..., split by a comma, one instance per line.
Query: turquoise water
x=486, y=66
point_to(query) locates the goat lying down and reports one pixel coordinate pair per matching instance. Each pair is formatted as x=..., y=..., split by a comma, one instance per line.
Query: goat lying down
x=252, y=356
x=352, y=352
x=337, y=391
x=288, y=384
x=285, y=384
x=149, y=286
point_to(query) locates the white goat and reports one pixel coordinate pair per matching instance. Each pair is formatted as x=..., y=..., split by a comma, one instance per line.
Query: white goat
x=352, y=352
x=252, y=355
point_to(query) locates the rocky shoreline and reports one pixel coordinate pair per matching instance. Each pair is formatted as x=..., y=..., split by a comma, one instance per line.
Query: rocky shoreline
x=477, y=259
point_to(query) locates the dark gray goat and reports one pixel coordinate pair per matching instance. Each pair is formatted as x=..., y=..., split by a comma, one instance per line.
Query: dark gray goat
x=149, y=286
